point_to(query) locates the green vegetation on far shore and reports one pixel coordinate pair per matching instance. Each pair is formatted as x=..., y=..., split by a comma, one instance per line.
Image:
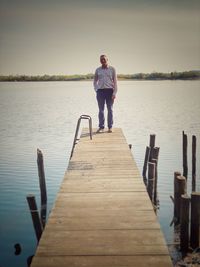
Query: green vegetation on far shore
x=186, y=75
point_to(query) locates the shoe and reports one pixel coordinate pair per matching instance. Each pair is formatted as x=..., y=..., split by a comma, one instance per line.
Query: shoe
x=109, y=130
x=100, y=130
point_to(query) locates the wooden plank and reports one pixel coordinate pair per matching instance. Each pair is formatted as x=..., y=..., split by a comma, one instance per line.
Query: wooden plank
x=102, y=185
x=103, y=222
x=103, y=197
x=102, y=210
x=102, y=242
x=102, y=261
x=103, y=200
x=119, y=175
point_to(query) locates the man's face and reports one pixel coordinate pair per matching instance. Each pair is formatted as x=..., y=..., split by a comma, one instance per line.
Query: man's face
x=104, y=60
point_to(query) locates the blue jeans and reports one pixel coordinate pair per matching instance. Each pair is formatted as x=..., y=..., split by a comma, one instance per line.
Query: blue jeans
x=105, y=96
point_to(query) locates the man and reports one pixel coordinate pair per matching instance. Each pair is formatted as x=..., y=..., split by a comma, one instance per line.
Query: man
x=105, y=86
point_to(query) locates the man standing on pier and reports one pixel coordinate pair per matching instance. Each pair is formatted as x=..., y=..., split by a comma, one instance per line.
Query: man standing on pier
x=105, y=86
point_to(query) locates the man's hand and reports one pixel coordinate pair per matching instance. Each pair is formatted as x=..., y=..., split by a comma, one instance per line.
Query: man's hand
x=113, y=97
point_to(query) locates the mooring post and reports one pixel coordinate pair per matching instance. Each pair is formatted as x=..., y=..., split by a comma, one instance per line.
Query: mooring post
x=184, y=223
x=155, y=161
x=185, y=161
x=146, y=159
x=152, y=140
x=35, y=216
x=155, y=152
x=43, y=191
x=195, y=220
x=152, y=145
x=194, y=143
x=151, y=178
x=176, y=174
x=179, y=189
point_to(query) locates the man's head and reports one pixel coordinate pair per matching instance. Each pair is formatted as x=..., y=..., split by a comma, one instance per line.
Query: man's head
x=104, y=61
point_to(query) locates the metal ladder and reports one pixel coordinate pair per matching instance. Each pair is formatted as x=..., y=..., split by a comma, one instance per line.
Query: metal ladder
x=82, y=117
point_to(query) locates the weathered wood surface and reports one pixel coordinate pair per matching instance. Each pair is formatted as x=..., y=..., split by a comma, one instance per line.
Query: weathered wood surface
x=102, y=216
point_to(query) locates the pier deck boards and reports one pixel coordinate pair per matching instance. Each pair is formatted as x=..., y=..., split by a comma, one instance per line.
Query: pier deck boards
x=102, y=216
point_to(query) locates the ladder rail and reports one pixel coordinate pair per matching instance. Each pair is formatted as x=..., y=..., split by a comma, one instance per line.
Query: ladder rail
x=82, y=117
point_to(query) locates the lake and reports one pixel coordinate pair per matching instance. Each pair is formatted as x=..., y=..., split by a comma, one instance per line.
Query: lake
x=44, y=115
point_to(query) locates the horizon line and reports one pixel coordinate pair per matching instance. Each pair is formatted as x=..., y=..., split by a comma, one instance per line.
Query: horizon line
x=45, y=74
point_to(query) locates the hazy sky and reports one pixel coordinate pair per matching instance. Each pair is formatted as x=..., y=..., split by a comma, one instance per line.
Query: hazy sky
x=67, y=37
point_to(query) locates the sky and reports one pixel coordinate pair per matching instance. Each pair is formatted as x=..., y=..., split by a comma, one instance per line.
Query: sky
x=40, y=37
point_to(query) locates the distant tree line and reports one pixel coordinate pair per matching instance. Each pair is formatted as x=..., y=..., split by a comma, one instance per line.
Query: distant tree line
x=45, y=78
x=186, y=75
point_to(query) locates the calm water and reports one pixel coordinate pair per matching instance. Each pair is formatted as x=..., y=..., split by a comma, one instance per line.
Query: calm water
x=44, y=115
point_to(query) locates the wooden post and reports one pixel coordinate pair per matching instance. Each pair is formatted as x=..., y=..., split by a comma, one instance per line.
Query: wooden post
x=176, y=174
x=184, y=223
x=35, y=216
x=152, y=145
x=179, y=189
x=152, y=140
x=41, y=175
x=185, y=162
x=194, y=141
x=195, y=220
x=43, y=191
x=151, y=178
x=146, y=159
x=155, y=152
x=155, y=161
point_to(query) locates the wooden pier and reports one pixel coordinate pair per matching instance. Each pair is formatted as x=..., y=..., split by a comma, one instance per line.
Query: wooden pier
x=103, y=216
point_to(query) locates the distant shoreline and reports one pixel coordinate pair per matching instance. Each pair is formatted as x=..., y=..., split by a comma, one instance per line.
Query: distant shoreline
x=186, y=75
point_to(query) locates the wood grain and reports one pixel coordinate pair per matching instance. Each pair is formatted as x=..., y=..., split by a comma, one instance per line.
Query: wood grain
x=102, y=216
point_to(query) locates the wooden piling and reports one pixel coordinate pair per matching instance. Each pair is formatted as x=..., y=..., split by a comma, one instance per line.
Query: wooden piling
x=151, y=178
x=35, y=216
x=152, y=140
x=146, y=159
x=179, y=189
x=151, y=145
x=155, y=161
x=176, y=174
x=194, y=142
x=43, y=191
x=185, y=161
x=195, y=220
x=155, y=152
x=184, y=223
x=41, y=175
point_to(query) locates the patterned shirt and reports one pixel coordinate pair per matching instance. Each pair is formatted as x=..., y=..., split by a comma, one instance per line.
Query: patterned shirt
x=105, y=78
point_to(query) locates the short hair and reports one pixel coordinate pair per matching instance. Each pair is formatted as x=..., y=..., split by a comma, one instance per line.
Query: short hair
x=103, y=56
